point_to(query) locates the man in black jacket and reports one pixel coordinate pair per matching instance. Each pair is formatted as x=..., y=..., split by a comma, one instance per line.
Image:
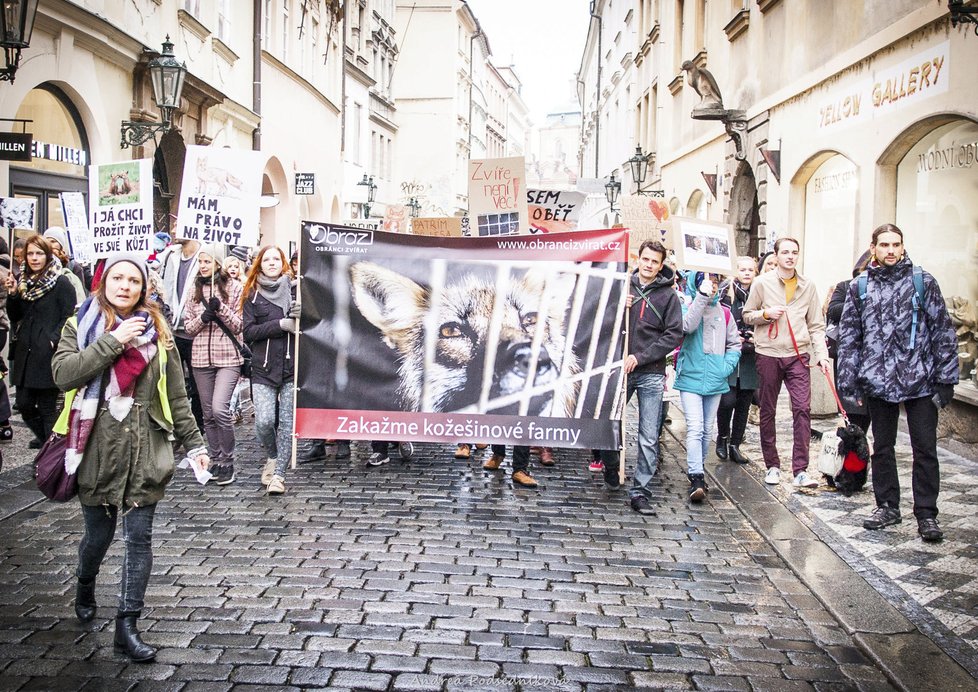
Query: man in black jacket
x=655, y=323
x=898, y=348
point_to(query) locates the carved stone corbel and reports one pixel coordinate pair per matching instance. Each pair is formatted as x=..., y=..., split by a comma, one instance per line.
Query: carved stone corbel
x=735, y=122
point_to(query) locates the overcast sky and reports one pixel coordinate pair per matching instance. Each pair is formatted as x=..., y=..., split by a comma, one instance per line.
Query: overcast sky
x=544, y=39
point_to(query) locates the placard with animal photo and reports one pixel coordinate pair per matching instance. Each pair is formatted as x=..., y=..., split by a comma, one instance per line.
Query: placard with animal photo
x=219, y=198
x=17, y=213
x=704, y=245
x=120, y=207
x=439, y=339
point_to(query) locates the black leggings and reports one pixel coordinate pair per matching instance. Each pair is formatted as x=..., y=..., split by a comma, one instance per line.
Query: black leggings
x=735, y=403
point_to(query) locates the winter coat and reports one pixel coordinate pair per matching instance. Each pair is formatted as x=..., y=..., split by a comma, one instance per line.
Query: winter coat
x=654, y=333
x=169, y=271
x=211, y=346
x=744, y=375
x=270, y=345
x=37, y=326
x=711, y=347
x=128, y=463
x=875, y=357
x=4, y=272
x=772, y=337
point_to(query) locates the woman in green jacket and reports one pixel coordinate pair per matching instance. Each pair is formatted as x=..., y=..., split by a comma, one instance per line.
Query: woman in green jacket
x=129, y=403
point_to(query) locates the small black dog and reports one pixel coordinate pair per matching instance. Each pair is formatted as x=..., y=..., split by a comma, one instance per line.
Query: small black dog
x=854, y=449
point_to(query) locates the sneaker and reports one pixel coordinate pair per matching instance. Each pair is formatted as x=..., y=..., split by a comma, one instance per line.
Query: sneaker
x=224, y=474
x=463, y=451
x=406, y=450
x=802, y=480
x=377, y=459
x=525, y=479
x=35, y=444
x=494, y=462
x=697, y=488
x=268, y=472
x=611, y=479
x=596, y=465
x=343, y=449
x=238, y=417
x=882, y=516
x=773, y=476
x=640, y=504
x=276, y=486
x=547, y=456
x=6, y=434
x=930, y=530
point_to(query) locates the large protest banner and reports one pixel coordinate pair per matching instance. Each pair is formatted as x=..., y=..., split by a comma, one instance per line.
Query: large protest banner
x=554, y=211
x=434, y=339
x=121, y=206
x=220, y=195
x=497, y=196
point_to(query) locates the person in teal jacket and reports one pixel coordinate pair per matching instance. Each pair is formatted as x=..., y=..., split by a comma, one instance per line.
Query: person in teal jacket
x=708, y=355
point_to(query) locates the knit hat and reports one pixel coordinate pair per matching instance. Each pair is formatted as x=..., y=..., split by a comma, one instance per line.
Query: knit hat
x=165, y=237
x=59, y=234
x=214, y=251
x=241, y=252
x=132, y=258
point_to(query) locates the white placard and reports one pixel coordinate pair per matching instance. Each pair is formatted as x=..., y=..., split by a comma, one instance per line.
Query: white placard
x=121, y=201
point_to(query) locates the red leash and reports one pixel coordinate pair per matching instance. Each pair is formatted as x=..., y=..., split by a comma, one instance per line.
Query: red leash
x=828, y=379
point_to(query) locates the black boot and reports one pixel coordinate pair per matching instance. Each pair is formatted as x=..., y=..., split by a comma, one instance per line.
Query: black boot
x=738, y=457
x=85, y=600
x=127, y=639
x=697, y=488
x=722, y=447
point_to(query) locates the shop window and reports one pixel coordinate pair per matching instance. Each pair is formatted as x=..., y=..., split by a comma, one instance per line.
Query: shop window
x=830, y=222
x=936, y=210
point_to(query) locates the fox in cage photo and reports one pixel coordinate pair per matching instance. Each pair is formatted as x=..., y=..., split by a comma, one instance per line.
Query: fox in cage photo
x=477, y=342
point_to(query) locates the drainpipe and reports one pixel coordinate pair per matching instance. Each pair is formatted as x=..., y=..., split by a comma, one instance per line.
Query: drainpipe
x=472, y=39
x=597, y=97
x=256, y=75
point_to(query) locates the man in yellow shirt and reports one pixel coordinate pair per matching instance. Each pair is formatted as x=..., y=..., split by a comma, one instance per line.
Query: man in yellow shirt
x=789, y=332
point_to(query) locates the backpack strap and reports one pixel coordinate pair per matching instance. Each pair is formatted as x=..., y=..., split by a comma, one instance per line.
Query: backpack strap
x=917, y=301
x=862, y=287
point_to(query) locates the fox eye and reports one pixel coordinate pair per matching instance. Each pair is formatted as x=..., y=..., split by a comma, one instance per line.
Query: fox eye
x=529, y=320
x=450, y=330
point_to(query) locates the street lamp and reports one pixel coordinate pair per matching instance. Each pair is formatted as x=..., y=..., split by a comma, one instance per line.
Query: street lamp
x=415, y=206
x=16, y=26
x=612, y=189
x=166, y=74
x=371, y=193
x=639, y=164
x=963, y=15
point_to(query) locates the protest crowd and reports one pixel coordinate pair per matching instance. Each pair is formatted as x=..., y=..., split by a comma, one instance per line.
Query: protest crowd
x=140, y=357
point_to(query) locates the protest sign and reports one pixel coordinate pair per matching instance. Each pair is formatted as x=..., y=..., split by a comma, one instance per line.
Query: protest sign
x=395, y=219
x=219, y=197
x=513, y=340
x=497, y=196
x=646, y=219
x=704, y=245
x=17, y=213
x=121, y=207
x=76, y=223
x=371, y=224
x=554, y=211
x=444, y=226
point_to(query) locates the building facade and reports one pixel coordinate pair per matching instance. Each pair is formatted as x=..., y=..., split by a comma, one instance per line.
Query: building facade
x=848, y=119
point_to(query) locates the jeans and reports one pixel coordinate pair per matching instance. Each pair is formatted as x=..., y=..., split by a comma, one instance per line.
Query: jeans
x=184, y=348
x=700, y=412
x=137, y=561
x=39, y=409
x=521, y=456
x=271, y=404
x=795, y=375
x=650, y=387
x=735, y=403
x=926, y=478
x=215, y=386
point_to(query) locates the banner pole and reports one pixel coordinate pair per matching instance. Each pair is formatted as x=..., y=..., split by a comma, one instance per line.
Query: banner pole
x=624, y=408
x=295, y=348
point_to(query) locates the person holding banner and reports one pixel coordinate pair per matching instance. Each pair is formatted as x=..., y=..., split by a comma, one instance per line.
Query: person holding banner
x=708, y=356
x=270, y=317
x=213, y=317
x=39, y=304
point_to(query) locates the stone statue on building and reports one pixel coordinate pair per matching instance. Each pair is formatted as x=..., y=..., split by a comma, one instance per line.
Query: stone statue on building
x=710, y=106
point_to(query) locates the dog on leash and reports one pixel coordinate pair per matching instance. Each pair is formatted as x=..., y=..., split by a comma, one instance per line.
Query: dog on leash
x=854, y=450
x=457, y=321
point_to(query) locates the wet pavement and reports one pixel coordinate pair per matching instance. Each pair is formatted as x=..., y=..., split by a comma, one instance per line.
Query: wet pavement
x=433, y=575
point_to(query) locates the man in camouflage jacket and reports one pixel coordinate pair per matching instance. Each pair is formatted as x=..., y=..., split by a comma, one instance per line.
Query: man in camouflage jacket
x=885, y=359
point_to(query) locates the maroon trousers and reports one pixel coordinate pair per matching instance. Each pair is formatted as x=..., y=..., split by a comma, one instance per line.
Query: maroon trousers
x=796, y=376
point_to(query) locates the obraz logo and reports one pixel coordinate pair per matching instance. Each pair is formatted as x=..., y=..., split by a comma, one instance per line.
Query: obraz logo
x=339, y=237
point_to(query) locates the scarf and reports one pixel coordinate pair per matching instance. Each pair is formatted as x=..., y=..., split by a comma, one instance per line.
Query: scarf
x=36, y=287
x=277, y=291
x=119, y=390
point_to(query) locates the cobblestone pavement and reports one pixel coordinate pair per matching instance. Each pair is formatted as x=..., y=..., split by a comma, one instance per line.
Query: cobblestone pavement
x=934, y=585
x=427, y=575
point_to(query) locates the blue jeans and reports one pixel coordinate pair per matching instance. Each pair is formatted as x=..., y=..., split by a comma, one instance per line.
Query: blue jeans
x=700, y=412
x=137, y=561
x=650, y=387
